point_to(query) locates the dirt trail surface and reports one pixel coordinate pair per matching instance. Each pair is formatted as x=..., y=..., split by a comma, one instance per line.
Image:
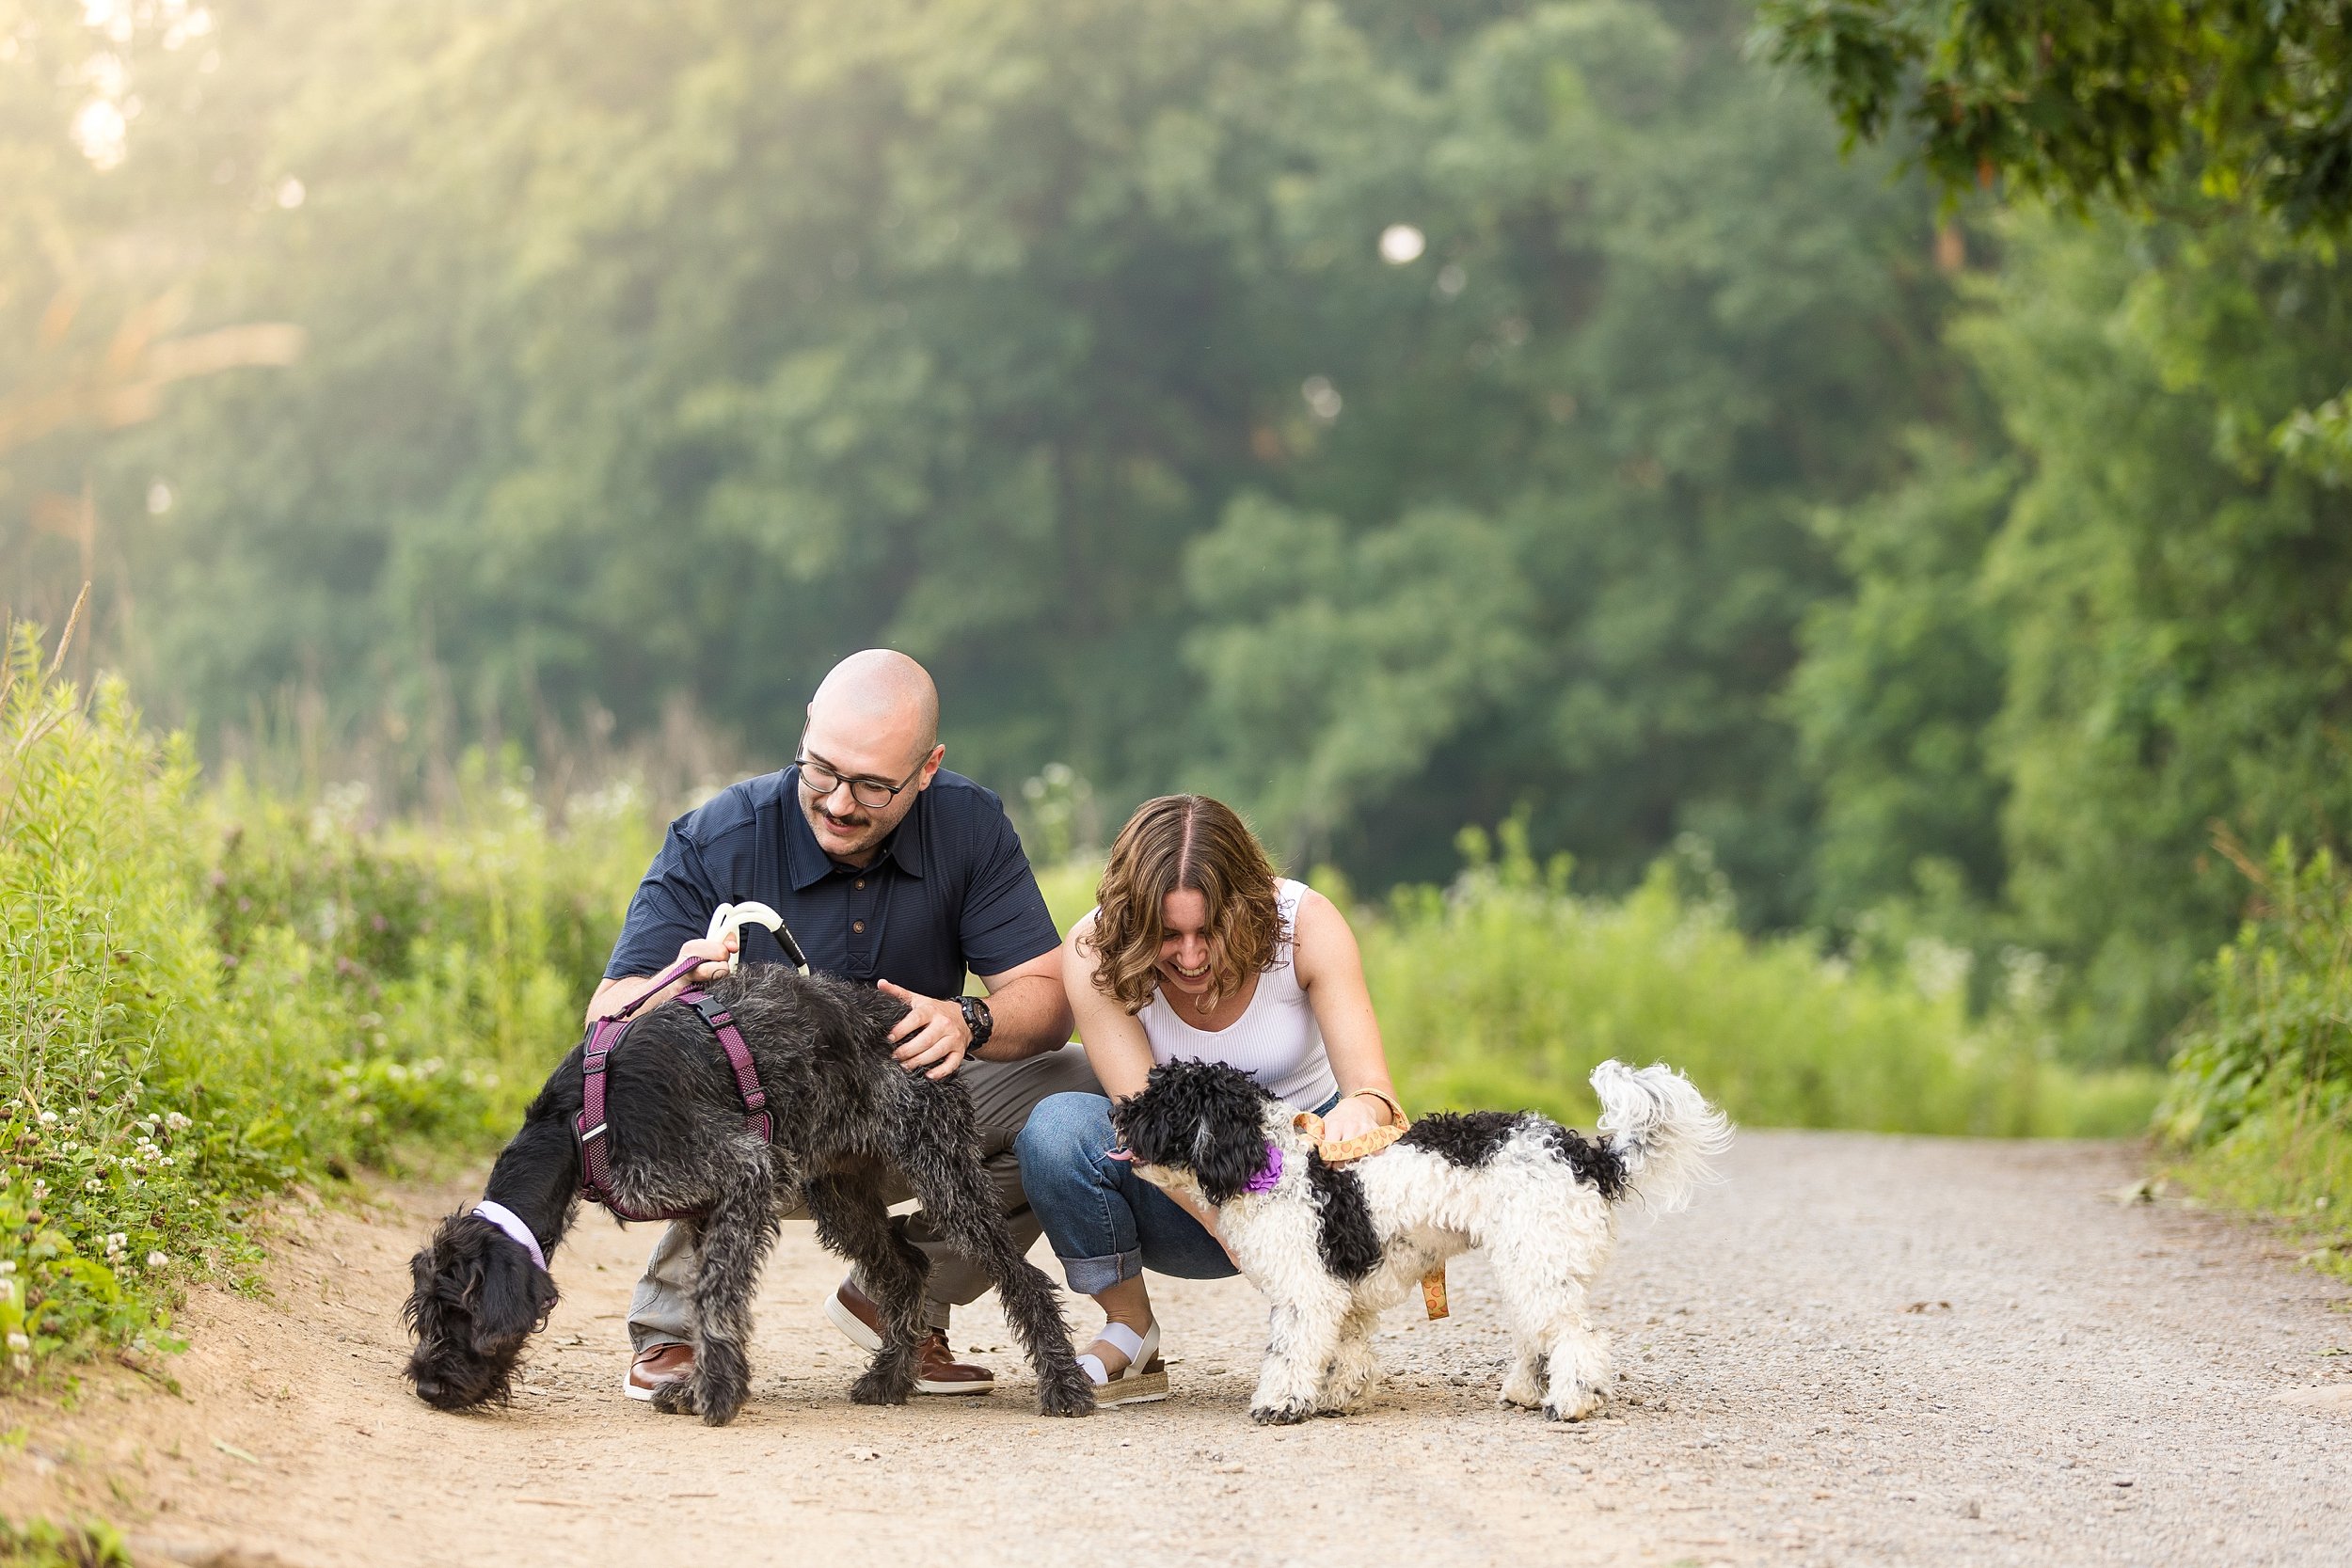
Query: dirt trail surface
x=1858, y=1351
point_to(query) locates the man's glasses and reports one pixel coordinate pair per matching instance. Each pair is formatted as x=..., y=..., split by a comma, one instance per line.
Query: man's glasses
x=873, y=793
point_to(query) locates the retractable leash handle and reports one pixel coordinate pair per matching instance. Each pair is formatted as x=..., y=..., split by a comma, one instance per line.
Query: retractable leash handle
x=727, y=918
x=734, y=917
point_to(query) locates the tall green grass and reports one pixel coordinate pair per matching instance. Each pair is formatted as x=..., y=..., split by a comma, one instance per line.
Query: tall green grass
x=206, y=998
x=2260, y=1100
x=1506, y=988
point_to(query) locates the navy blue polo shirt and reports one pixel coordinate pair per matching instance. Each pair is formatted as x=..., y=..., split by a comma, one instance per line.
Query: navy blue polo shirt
x=951, y=889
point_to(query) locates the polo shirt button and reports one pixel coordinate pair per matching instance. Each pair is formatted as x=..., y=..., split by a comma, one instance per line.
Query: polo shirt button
x=858, y=926
x=861, y=884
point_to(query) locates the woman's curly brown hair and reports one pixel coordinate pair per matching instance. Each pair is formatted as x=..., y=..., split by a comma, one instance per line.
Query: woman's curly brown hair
x=1174, y=843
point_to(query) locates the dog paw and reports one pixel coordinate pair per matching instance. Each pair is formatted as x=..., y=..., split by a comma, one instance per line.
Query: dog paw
x=1059, y=1396
x=1580, y=1403
x=1339, y=1402
x=1285, y=1415
x=719, y=1407
x=674, y=1399
x=1524, y=1393
x=880, y=1388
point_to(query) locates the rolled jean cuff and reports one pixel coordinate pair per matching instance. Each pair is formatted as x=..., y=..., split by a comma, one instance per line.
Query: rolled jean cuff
x=1091, y=1277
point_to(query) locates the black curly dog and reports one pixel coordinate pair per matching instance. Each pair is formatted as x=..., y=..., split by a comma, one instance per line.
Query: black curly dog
x=844, y=1111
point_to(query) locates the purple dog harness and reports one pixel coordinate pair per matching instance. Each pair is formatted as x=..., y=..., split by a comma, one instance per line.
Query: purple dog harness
x=595, y=1181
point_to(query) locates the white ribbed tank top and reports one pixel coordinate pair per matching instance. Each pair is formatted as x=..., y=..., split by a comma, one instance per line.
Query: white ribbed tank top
x=1276, y=1041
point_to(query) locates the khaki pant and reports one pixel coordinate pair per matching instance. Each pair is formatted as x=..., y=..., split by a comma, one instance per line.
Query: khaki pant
x=1002, y=1094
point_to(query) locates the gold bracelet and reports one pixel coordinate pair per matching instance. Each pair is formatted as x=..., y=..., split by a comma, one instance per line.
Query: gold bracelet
x=1396, y=1112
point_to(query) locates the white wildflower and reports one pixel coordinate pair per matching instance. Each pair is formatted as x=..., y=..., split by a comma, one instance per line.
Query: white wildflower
x=23, y=1365
x=93, y=1185
x=156, y=1260
x=7, y=1265
x=20, y=1341
x=177, y=1123
x=47, y=1117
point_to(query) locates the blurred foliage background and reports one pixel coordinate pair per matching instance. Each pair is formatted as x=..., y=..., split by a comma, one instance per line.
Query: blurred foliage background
x=1902, y=609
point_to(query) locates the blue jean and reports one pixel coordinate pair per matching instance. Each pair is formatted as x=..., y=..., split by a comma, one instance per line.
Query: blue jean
x=1105, y=1222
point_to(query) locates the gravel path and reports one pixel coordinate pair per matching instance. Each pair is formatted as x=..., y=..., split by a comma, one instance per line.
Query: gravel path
x=1859, y=1351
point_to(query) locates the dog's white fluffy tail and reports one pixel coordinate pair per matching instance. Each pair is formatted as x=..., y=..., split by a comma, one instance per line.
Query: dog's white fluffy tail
x=1663, y=1131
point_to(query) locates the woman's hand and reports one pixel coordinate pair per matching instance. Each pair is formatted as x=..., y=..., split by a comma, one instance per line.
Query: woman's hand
x=1351, y=1118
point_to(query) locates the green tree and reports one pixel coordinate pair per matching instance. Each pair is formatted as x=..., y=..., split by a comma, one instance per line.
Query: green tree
x=2177, y=591
x=1661, y=326
x=670, y=351
x=2076, y=654
x=123, y=162
x=1899, y=680
x=2083, y=102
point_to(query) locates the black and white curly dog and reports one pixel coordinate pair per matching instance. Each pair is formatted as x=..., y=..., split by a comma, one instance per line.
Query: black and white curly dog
x=844, y=1110
x=1332, y=1246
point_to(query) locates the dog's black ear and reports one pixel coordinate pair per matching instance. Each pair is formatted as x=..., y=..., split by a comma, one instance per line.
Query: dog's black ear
x=1230, y=1149
x=446, y=1274
x=1151, y=1123
x=421, y=1311
x=512, y=1298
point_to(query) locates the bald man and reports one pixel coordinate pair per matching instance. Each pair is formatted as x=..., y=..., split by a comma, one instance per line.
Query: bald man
x=891, y=870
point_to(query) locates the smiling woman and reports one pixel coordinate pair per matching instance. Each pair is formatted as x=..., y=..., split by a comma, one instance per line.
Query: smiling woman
x=1197, y=950
x=1190, y=851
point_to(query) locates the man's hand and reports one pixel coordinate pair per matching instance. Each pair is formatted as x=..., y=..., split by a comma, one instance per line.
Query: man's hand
x=714, y=951
x=612, y=995
x=932, y=1035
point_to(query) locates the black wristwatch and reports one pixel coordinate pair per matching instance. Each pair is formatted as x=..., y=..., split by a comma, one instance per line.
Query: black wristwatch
x=978, y=1018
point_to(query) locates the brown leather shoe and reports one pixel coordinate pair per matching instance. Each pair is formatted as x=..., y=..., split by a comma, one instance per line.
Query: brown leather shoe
x=656, y=1367
x=854, y=1313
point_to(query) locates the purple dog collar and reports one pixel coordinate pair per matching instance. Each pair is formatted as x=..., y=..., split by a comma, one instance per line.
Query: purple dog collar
x=1270, y=1175
x=506, y=1220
